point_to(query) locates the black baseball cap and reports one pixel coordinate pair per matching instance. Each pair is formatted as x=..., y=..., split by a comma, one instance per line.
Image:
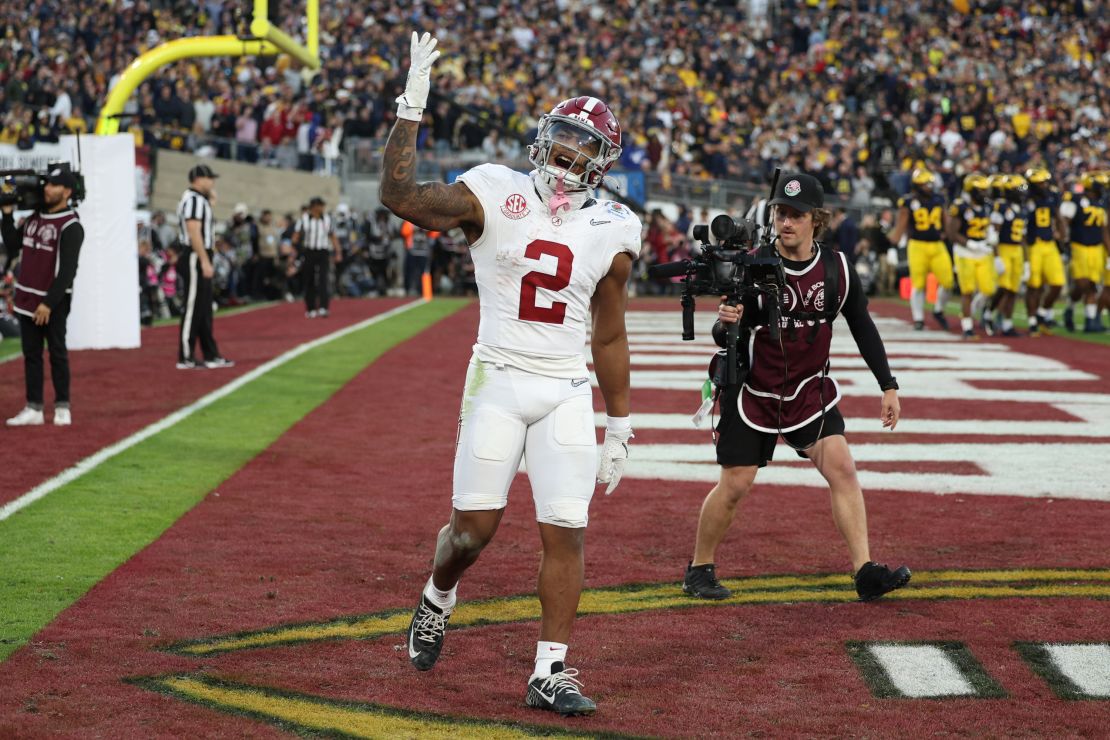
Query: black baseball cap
x=800, y=191
x=63, y=176
x=316, y=201
x=201, y=170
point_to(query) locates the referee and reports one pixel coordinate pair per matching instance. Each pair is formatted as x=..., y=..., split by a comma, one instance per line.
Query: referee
x=314, y=237
x=194, y=265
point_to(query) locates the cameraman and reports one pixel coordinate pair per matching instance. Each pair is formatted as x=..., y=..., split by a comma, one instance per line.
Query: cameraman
x=48, y=243
x=787, y=391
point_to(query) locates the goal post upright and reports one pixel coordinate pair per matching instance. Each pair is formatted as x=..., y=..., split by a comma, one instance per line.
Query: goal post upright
x=267, y=40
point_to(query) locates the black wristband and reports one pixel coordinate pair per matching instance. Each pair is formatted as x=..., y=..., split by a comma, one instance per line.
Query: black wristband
x=890, y=385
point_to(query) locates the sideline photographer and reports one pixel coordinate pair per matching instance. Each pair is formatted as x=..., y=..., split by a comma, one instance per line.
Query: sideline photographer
x=47, y=243
x=783, y=387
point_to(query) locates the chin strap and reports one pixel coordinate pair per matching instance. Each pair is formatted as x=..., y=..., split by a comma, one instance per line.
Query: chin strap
x=560, y=199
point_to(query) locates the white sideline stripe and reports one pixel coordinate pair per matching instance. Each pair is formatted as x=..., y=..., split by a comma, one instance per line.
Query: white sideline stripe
x=1031, y=469
x=92, y=461
x=1087, y=666
x=1091, y=423
x=921, y=671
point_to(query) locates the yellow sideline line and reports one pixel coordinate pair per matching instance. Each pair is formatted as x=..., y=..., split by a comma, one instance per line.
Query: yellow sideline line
x=322, y=715
x=994, y=584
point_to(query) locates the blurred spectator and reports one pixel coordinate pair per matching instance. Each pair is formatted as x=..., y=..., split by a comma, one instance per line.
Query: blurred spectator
x=378, y=235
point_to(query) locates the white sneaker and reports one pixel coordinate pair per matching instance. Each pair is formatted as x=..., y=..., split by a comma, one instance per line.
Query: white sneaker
x=62, y=417
x=310, y=314
x=28, y=417
x=219, y=362
x=322, y=313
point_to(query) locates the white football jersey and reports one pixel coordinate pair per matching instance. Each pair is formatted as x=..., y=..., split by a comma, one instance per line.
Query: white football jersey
x=537, y=273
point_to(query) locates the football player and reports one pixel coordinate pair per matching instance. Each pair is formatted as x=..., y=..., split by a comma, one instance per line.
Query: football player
x=551, y=260
x=1085, y=215
x=968, y=223
x=1008, y=234
x=1044, y=233
x=921, y=223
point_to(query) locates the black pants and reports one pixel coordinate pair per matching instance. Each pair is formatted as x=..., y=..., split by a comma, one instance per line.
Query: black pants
x=54, y=334
x=196, y=313
x=315, y=269
x=414, y=273
x=379, y=268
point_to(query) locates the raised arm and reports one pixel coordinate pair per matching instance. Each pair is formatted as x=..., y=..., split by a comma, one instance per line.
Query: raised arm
x=433, y=206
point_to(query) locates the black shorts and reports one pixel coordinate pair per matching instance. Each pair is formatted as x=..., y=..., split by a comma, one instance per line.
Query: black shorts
x=739, y=444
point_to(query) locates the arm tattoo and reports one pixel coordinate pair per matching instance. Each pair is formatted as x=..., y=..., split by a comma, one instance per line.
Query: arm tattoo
x=429, y=205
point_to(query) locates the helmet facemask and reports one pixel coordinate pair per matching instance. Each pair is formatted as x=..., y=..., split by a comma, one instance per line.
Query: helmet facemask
x=572, y=151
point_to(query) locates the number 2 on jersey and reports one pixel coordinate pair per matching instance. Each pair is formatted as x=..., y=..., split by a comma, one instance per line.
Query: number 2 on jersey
x=529, y=311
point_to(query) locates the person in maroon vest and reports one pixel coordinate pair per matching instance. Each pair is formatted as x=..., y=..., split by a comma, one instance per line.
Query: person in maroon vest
x=47, y=243
x=786, y=390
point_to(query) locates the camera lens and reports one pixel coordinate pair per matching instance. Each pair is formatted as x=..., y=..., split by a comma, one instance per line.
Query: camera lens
x=723, y=227
x=701, y=233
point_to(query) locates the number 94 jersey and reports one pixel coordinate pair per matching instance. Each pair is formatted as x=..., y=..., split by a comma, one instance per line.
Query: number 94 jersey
x=537, y=273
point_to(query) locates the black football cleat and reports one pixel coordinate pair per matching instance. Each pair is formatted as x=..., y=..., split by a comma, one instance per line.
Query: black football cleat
x=919, y=326
x=1069, y=318
x=941, y=319
x=559, y=693
x=873, y=580
x=426, y=630
x=701, y=582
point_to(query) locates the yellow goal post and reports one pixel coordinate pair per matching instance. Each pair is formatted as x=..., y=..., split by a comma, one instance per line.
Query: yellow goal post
x=266, y=40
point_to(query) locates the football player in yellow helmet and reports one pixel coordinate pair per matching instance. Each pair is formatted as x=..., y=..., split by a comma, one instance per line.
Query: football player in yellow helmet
x=920, y=226
x=1044, y=232
x=1085, y=213
x=968, y=229
x=1008, y=235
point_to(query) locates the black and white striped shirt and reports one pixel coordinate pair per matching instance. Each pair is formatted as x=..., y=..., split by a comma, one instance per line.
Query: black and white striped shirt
x=315, y=232
x=194, y=206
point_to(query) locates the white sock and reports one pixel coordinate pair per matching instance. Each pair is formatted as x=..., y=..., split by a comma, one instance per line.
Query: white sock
x=1032, y=321
x=1092, y=310
x=1007, y=324
x=442, y=599
x=977, y=302
x=967, y=323
x=1042, y=314
x=942, y=298
x=1049, y=314
x=546, y=654
x=988, y=315
x=917, y=305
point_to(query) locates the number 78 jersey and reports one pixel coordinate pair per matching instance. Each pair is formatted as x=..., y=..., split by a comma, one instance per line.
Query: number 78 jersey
x=537, y=273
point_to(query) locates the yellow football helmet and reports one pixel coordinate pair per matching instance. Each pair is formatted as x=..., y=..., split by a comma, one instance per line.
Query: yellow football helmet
x=976, y=182
x=1037, y=176
x=922, y=178
x=1015, y=182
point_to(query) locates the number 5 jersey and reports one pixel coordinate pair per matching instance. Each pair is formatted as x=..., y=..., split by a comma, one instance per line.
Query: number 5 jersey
x=537, y=273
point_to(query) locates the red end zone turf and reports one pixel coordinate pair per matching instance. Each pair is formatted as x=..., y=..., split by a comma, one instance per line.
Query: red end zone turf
x=338, y=519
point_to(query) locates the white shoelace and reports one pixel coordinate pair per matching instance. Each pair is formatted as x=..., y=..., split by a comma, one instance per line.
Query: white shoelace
x=429, y=625
x=562, y=682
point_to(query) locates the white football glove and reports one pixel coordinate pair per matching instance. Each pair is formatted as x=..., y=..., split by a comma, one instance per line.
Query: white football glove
x=614, y=451
x=1000, y=265
x=978, y=245
x=422, y=55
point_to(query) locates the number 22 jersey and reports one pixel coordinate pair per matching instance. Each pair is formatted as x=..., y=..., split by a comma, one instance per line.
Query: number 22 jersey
x=537, y=273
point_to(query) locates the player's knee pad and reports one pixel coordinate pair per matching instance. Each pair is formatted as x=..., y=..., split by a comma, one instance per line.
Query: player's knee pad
x=573, y=513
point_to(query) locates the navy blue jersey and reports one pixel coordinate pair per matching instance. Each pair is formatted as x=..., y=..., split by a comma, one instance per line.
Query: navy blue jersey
x=1040, y=215
x=1086, y=226
x=926, y=216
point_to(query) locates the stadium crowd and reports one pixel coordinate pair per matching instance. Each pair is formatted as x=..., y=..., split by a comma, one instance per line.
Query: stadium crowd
x=858, y=93
x=855, y=92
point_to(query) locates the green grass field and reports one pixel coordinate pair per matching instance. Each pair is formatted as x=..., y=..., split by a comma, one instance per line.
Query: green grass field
x=57, y=548
x=1021, y=320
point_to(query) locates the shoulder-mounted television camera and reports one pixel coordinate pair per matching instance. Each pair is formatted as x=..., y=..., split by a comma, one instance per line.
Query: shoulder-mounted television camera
x=735, y=262
x=24, y=188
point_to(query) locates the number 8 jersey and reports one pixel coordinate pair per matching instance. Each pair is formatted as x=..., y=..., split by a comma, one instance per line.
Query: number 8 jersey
x=537, y=273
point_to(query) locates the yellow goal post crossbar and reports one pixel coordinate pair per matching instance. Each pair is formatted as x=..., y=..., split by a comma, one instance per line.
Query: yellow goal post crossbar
x=268, y=40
